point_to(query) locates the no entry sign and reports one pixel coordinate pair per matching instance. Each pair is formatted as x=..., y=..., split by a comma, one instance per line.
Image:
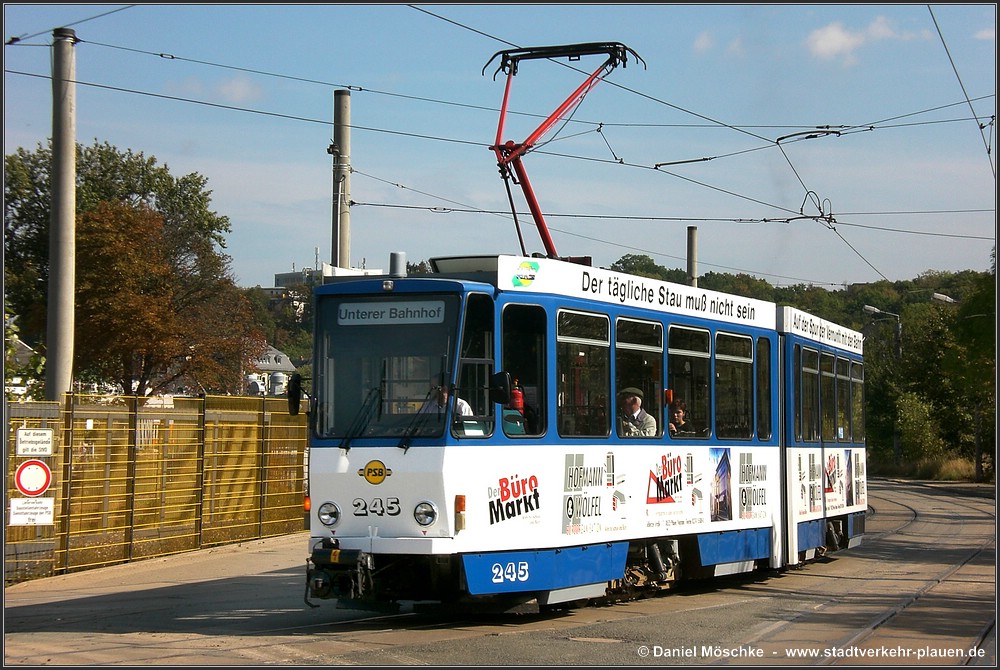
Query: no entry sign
x=33, y=478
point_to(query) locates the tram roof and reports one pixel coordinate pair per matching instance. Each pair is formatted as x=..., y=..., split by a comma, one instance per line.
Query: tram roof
x=577, y=278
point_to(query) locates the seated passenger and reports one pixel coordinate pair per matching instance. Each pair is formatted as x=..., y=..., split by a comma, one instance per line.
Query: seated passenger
x=678, y=424
x=633, y=420
x=438, y=401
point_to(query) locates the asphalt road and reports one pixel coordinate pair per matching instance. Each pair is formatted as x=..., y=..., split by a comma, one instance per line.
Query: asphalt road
x=920, y=590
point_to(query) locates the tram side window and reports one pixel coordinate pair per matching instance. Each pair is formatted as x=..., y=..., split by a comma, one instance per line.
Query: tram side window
x=844, y=399
x=689, y=376
x=733, y=386
x=858, y=401
x=807, y=404
x=763, y=388
x=639, y=363
x=583, y=374
x=828, y=396
x=523, y=344
x=476, y=368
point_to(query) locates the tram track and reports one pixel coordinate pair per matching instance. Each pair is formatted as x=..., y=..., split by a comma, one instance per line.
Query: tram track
x=817, y=590
x=923, y=576
x=910, y=608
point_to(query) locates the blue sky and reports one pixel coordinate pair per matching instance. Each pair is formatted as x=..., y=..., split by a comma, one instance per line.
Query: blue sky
x=243, y=94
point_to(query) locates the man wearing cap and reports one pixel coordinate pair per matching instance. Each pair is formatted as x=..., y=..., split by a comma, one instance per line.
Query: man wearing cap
x=634, y=421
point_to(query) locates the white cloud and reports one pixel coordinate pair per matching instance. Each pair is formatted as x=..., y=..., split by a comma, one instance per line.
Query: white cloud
x=880, y=29
x=835, y=41
x=986, y=34
x=189, y=87
x=703, y=42
x=832, y=41
x=239, y=90
x=736, y=48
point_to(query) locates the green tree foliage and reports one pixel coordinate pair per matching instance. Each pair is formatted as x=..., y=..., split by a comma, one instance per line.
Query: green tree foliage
x=644, y=266
x=157, y=306
x=738, y=284
x=972, y=362
x=22, y=369
x=286, y=320
x=921, y=429
x=934, y=388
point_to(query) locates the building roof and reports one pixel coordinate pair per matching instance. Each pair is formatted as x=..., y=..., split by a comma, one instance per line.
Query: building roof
x=274, y=361
x=22, y=352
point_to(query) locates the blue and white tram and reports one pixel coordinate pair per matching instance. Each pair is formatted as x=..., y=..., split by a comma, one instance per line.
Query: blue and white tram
x=527, y=490
x=823, y=423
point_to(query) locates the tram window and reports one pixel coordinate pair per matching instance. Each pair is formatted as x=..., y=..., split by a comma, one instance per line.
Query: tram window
x=763, y=388
x=857, y=401
x=689, y=375
x=523, y=344
x=371, y=381
x=639, y=363
x=476, y=368
x=797, y=390
x=733, y=386
x=843, y=399
x=583, y=365
x=808, y=402
x=828, y=397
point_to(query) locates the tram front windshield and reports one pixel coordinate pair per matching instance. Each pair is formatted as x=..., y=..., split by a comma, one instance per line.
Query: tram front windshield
x=379, y=363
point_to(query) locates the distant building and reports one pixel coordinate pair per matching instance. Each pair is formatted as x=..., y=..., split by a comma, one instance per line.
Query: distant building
x=286, y=282
x=315, y=276
x=274, y=369
x=17, y=385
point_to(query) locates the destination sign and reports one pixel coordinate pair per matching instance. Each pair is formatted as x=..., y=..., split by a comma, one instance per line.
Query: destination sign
x=394, y=313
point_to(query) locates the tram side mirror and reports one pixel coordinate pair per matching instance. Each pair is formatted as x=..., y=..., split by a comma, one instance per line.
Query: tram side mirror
x=294, y=394
x=500, y=387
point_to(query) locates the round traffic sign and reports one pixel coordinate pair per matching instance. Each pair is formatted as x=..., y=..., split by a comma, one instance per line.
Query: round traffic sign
x=33, y=478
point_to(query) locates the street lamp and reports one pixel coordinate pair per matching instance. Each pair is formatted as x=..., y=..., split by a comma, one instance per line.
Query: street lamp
x=941, y=297
x=899, y=324
x=868, y=309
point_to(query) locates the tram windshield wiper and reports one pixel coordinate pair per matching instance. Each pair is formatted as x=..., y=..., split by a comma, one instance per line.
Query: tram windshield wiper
x=419, y=419
x=371, y=406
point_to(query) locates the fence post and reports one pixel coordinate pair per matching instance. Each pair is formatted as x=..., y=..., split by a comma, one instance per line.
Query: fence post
x=132, y=453
x=65, y=485
x=200, y=504
x=261, y=470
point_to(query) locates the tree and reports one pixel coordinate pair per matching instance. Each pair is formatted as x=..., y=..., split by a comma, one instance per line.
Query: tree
x=644, y=266
x=944, y=366
x=20, y=368
x=973, y=364
x=157, y=305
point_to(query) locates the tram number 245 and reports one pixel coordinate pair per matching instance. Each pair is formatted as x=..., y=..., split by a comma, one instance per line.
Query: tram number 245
x=510, y=572
x=376, y=507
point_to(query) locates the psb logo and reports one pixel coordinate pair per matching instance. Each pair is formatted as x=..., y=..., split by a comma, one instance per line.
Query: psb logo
x=525, y=274
x=374, y=472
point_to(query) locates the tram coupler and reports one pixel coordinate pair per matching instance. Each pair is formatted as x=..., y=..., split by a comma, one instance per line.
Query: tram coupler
x=333, y=572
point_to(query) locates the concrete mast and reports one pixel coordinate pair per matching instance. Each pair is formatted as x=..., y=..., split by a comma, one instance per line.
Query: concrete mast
x=341, y=152
x=692, y=244
x=62, y=221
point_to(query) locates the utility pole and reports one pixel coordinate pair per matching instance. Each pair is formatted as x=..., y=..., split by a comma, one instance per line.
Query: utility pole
x=692, y=246
x=897, y=450
x=341, y=152
x=62, y=221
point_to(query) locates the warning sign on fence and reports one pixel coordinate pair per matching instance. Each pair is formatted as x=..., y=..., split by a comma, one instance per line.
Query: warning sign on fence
x=34, y=441
x=32, y=512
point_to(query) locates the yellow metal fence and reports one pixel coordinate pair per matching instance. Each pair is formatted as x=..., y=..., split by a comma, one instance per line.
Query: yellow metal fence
x=134, y=478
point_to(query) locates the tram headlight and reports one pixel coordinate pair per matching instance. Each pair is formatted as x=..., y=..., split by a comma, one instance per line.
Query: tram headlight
x=328, y=514
x=425, y=513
